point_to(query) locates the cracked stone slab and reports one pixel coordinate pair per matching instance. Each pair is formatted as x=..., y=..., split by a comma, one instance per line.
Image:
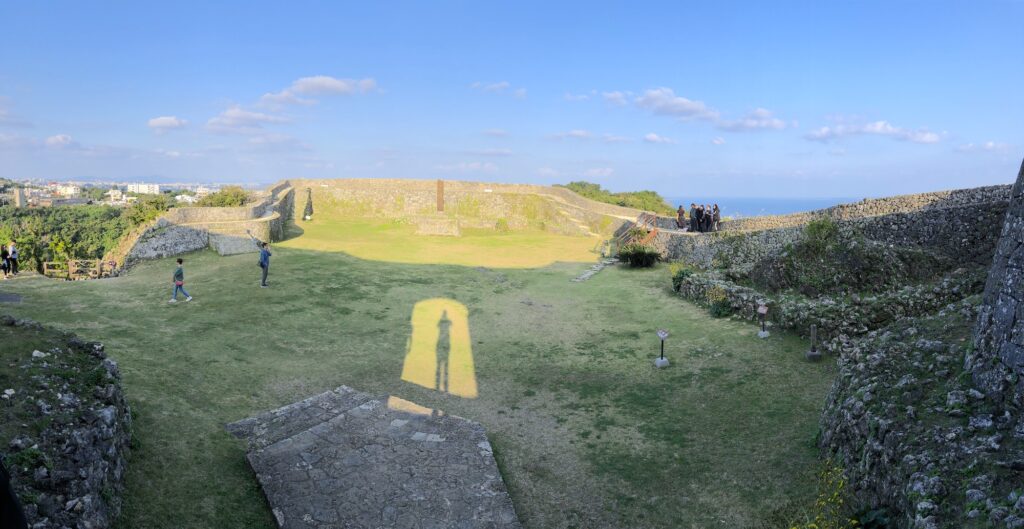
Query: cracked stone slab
x=270, y=427
x=384, y=465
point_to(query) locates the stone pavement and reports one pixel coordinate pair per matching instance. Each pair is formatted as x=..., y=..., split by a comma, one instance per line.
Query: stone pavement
x=343, y=459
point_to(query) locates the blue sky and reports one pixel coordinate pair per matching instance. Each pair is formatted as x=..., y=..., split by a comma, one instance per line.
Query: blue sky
x=783, y=99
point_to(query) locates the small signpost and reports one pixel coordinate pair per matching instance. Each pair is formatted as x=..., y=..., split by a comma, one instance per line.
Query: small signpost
x=762, y=315
x=661, y=361
x=814, y=354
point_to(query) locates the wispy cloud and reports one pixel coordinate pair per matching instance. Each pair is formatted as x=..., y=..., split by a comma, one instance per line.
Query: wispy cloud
x=718, y=140
x=875, y=128
x=490, y=152
x=301, y=90
x=575, y=97
x=598, y=172
x=578, y=134
x=470, y=167
x=988, y=146
x=236, y=120
x=665, y=102
x=758, y=119
x=611, y=138
x=496, y=133
x=165, y=124
x=500, y=87
x=8, y=119
x=616, y=98
x=651, y=137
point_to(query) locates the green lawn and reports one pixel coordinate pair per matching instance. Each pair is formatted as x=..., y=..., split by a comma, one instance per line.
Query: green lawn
x=588, y=434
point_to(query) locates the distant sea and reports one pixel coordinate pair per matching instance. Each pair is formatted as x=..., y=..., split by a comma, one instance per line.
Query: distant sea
x=738, y=207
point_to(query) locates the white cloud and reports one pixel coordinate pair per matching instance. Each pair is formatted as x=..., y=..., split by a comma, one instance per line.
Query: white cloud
x=611, y=138
x=497, y=133
x=236, y=120
x=651, y=137
x=520, y=93
x=315, y=86
x=576, y=97
x=988, y=146
x=664, y=102
x=616, y=98
x=759, y=119
x=470, y=167
x=876, y=128
x=718, y=140
x=598, y=172
x=164, y=124
x=579, y=134
x=60, y=141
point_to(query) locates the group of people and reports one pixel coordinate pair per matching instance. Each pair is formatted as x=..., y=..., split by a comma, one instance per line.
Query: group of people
x=179, y=272
x=703, y=218
x=9, y=259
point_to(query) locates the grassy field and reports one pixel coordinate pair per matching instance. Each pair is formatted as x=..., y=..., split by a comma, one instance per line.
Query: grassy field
x=588, y=434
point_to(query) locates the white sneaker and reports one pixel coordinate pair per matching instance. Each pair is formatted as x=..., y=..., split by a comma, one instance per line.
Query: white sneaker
x=188, y=298
x=173, y=300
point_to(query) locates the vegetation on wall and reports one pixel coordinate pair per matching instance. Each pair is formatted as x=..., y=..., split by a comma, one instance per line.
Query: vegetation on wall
x=639, y=255
x=228, y=196
x=644, y=200
x=64, y=232
x=829, y=261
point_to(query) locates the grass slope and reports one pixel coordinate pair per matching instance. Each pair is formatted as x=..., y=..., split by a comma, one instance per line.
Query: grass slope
x=586, y=431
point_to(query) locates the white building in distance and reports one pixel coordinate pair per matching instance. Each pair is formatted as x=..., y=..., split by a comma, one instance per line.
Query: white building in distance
x=144, y=189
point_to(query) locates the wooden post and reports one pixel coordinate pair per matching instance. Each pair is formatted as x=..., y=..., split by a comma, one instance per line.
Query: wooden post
x=440, y=196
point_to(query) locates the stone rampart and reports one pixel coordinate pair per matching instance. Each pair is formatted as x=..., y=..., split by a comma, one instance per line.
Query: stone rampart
x=967, y=232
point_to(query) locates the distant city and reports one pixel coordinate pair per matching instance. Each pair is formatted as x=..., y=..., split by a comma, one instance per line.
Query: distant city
x=44, y=193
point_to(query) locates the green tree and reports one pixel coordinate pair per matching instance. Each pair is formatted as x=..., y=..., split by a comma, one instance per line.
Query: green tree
x=228, y=196
x=644, y=200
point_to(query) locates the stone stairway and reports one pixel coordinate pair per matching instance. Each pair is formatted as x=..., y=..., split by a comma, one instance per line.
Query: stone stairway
x=344, y=459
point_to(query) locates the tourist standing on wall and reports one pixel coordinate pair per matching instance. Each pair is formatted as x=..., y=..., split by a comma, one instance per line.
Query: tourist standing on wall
x=716, y=217
x=265, y=254
x=707, y=217
x=699, y=219
x=12, y=258
x=179, y=283
x=693, y=216
x=680, y=217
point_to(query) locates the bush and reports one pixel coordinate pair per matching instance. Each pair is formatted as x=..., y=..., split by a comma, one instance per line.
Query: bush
x=228, y=196
x=718, y=302
x=642, y=200
x=502, y=226
x=821, y=233
x=639, y=255
x=147, y=208
x=679, y=274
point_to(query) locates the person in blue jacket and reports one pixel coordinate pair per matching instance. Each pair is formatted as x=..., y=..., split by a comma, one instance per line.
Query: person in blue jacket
x=265, y=254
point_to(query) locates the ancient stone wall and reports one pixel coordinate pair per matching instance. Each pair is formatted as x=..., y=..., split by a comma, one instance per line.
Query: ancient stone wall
x=69, y=472
x=965, y=232
x=997, y=361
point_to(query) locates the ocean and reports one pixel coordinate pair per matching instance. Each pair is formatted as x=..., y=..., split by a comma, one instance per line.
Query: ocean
x=738, y=207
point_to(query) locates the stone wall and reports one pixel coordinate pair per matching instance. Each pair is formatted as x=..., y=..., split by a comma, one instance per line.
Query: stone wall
x=877, y=206
x=965, y=232
x=70, y=472
x=997, y=361
x=475, y=204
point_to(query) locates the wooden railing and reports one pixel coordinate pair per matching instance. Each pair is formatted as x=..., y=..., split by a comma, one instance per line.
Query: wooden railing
x=79, y=269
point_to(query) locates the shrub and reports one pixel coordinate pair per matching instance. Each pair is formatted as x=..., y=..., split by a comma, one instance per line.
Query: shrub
x=821, y=233
x=228, y=196
x=643, y=200
x=829, y=511
x=639, y=255
x=679, y=274
x=718, y=302
x=502, y=226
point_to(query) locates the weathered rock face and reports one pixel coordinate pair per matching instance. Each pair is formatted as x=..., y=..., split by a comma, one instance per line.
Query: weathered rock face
x=67, y=464
x=997, y=361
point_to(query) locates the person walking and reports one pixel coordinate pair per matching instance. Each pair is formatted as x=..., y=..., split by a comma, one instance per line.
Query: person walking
x=693, y=216
x=12, y=258
x=716, y=217
x=265, y=254
x=179, y=283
